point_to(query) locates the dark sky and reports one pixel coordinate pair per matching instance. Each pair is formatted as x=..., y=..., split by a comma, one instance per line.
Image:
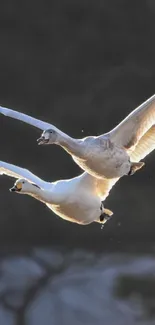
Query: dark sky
x=82, y=65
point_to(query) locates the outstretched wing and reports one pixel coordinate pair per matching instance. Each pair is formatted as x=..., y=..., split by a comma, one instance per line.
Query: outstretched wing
x=145, y=145
x=99, y=187
x=135, y=125
x=28, y=119
x=18, y=172
x=104, y=186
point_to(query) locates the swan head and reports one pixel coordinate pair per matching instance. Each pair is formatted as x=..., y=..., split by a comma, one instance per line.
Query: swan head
x=23, y=186
x=48, y=137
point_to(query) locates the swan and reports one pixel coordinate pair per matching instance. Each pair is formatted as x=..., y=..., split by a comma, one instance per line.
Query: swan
x=78, y=200
x=110, y=155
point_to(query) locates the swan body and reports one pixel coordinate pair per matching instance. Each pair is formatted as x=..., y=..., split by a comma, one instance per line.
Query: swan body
x=77, y=200
x=110, y=155
x=102, y=159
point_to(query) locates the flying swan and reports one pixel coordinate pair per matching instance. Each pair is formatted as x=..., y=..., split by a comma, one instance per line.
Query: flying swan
x=78, y=200
x=110, y=155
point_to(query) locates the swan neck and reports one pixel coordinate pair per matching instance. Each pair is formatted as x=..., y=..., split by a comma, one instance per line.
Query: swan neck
x=44, y=196
x=71, y=145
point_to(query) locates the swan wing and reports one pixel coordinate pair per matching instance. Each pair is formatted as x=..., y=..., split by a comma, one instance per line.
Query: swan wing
x=99, y=187
x=27, y=119
x=104, y=186
x=145, y=145
x=135, y=125
x=18, y=172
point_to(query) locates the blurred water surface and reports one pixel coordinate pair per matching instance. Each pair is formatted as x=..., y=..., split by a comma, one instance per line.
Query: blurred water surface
x=54, y=286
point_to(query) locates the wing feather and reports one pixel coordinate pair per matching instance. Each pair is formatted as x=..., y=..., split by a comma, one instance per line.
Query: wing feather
x=18, y=172
x=28, y=119
x=99, y=187
x=135, y=125
x=145, y=145
x=104, y=186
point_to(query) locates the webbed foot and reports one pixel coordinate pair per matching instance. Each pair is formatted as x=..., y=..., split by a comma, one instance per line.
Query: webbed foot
x=105, y=215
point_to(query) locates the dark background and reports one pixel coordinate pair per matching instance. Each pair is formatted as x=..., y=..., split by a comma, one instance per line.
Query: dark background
x=83, y=66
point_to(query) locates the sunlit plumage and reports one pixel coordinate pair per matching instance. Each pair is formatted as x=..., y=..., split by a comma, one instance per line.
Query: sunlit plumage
x=110, y=155
x=77, y=200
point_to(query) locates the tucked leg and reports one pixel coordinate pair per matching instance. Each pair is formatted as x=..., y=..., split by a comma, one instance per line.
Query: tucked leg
x=105, y=214
x=135, y=166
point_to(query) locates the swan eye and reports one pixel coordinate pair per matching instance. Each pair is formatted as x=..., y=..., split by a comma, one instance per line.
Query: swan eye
x=51, y=131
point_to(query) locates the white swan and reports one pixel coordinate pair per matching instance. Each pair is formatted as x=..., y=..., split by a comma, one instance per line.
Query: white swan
x=110, y=155
x=77, y=200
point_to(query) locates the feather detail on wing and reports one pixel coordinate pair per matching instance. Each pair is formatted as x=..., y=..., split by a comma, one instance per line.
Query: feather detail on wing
x=135, y=125
x=99, y=187
x=103, y=187
x=28, y=119
x=18, y=172
x=145, y=145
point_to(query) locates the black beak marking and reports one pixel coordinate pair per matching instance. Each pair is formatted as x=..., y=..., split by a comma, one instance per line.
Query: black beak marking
x=42, y=140
x=14, y=189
